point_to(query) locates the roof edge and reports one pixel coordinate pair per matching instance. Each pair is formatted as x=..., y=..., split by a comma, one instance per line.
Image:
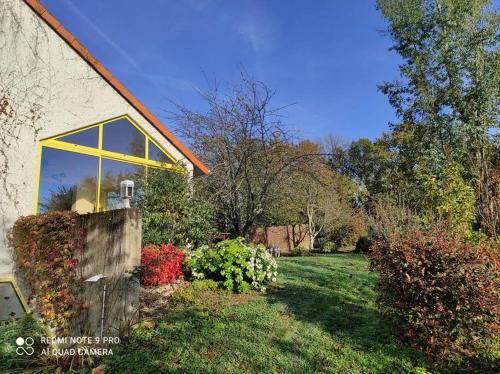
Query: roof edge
x=83, y=52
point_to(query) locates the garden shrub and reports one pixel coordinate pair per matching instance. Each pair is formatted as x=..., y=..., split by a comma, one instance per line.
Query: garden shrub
x=300, y=250
x=160, y=264
x=171, y=211
x=363, y=244
x=235, y=265
x=387, y=218
x=47, y=247
x=347, y=232
x=441, y=293
x=329, y=247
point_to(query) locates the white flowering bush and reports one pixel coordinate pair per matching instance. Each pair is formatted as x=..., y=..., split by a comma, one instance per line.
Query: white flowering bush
x=262, y=268
x=233, y=264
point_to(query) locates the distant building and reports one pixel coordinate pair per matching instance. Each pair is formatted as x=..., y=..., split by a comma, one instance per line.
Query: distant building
x=286, y=238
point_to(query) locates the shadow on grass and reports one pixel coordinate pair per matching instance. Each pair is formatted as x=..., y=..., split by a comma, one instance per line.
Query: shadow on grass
x=338, y=295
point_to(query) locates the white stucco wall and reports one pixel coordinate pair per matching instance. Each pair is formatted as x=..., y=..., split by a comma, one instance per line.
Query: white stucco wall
x=41, y=68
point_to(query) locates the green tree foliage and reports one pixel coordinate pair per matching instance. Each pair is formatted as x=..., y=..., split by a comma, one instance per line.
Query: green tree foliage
x=315, y=195
x=449, y=93
x=172, y=214
x=449, y=197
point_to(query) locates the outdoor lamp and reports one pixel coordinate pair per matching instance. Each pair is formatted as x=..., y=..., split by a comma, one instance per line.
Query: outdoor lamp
x=95, y=279
x=126, y=192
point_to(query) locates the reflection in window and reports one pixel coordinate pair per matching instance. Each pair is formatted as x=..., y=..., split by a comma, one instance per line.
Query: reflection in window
x=67, y=181
x=11, y=306
x=122, y=137
x=156, y=154
x=114, y=172
x=88, y=138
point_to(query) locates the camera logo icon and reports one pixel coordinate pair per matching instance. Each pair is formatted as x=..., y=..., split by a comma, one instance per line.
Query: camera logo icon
x=25, y=346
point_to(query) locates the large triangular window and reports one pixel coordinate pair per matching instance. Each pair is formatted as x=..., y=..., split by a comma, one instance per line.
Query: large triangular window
x=121, y=136
x=83, y=170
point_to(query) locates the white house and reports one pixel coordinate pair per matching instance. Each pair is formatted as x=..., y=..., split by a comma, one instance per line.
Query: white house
x=69, y=131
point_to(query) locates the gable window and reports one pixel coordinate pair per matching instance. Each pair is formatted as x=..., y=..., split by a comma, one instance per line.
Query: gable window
x=122, y=137
x=112, y=173
x=155, y=153
x=87, y=138
x=68, y=181
x=82, y=170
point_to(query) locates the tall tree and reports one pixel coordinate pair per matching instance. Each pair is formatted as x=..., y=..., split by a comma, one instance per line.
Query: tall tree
x=245, y=144
x=314, y=194
x=448, y=98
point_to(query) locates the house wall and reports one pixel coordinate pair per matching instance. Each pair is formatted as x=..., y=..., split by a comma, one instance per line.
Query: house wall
x=52, y=90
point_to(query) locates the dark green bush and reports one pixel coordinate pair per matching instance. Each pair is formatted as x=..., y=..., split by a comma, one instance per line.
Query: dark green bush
x=172, y=213
x=363, y=244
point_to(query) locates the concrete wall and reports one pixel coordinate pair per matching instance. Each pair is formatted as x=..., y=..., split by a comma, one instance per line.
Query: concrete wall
x=40, y=71
x=285, y=238
x=114, y=250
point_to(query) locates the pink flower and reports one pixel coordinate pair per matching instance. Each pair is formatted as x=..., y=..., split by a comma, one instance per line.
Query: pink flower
x=72, y=263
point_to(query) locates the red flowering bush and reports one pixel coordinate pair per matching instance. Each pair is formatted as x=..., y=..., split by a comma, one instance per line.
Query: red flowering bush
x=442, y=294
x=46, y=248
x=161, y=264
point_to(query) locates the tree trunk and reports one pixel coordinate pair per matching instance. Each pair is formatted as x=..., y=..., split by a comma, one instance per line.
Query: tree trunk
x=311, y=241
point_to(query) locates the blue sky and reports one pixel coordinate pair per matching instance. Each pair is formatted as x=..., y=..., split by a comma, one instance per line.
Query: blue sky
x=326, y=56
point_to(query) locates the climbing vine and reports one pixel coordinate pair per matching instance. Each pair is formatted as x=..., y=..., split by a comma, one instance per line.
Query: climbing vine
x=47, y=248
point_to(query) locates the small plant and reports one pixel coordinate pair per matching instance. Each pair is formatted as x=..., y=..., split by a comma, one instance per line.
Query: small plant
x=441, y=293
x=160, y=264
x=193, y=291
x=236, y=266
x=329, y=247
x=300, y=250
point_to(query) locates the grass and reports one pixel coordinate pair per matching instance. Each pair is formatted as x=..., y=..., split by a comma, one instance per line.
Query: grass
x=319, y=317
x=26, y=326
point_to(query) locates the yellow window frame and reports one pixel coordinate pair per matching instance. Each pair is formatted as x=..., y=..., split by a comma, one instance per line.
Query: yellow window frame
x=100, y=153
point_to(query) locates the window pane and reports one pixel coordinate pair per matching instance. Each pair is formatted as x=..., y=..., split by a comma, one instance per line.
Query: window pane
x=88, y=138
x=156, y=154
x=114, y=172
x=122, y=137
x=67, y=181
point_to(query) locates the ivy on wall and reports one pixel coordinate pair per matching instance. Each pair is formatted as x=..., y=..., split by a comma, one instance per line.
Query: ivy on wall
x=47, y=247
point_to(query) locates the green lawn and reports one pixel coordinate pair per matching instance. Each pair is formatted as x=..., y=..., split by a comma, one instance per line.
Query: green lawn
x=320, y=317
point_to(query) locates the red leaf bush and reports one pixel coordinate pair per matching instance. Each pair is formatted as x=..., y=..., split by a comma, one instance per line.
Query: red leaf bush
x=47, y=247
x=161, y=264
x=442, y=294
